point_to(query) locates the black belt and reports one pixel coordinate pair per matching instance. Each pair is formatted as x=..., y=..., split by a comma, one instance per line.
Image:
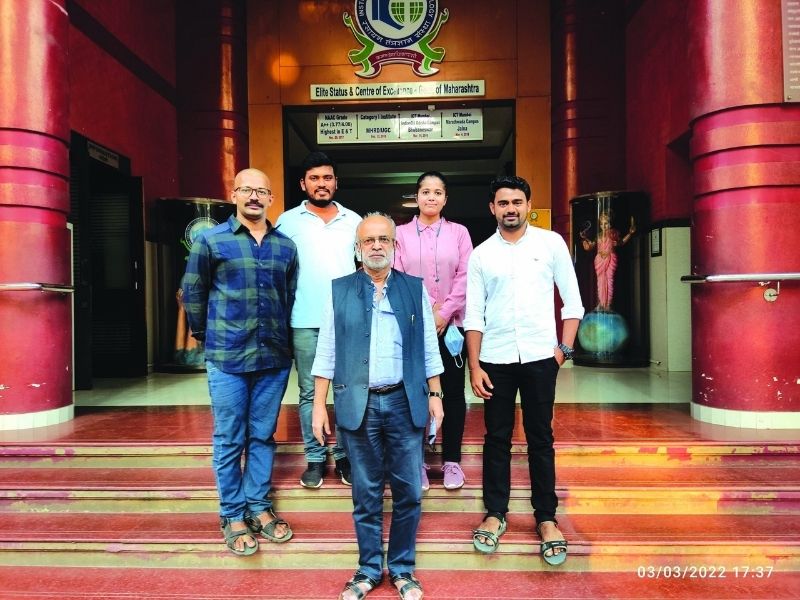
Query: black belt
x=385, y=389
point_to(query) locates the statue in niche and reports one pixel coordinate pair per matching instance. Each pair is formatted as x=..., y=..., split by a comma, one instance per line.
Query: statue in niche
x=605, y=261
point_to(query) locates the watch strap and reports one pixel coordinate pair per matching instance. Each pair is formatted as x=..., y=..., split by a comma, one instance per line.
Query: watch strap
x=568, y=352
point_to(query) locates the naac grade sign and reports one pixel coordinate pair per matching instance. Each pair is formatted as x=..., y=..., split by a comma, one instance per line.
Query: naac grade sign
x=395, y=31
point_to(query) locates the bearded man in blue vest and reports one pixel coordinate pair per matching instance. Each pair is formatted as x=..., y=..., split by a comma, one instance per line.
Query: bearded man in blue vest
x=375, y=328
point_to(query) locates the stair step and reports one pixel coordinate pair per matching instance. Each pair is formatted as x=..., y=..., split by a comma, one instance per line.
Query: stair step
x=706, y=500
x=288, y=584
x=287, y=474
x=322, y=539
x=568, y=455
x=313, y=527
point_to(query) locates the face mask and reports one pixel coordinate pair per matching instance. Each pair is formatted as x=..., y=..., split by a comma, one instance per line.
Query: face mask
x=454, y=342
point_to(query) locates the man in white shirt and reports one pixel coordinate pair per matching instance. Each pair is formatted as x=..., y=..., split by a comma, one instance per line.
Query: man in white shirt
x=325, y=233
x=512, y=346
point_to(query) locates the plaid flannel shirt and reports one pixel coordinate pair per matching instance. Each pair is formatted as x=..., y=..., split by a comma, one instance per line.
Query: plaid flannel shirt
x=238, y=296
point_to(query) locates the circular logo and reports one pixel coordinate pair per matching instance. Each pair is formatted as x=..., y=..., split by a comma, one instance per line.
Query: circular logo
x=396, y=23
x=195, y=226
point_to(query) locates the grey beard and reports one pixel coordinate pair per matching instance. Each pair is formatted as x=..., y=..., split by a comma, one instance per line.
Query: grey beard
x=378, y=263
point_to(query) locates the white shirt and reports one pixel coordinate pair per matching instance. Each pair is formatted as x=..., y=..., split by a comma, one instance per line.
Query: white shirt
x=325, y=252
x=510, y=296
x=385, y=344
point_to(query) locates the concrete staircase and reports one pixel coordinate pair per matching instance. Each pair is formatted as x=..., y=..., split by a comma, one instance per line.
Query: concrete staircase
x=654, y=519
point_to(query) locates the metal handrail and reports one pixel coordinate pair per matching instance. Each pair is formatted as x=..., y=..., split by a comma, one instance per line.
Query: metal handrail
x=42, y=287
x=728, y=278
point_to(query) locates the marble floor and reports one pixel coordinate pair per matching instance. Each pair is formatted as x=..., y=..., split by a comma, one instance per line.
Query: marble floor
x=575, y=385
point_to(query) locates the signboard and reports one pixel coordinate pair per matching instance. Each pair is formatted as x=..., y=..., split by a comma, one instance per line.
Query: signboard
x=393, y=91
x=458, y=125
x=790, y=13
x=104, y=155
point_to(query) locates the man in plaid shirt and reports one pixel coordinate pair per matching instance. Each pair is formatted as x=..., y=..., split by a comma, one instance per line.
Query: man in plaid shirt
x=238, y=292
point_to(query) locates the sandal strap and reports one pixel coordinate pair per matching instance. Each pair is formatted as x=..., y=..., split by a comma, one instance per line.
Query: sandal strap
x=412, y=583
x=487, y=534
x=360, y=577
x=232, y=535
x=554, y=544
x=353, y=587
x=357, y=578
x=254, y=523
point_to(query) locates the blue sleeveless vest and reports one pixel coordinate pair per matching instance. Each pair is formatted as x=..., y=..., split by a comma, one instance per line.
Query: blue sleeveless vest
x=352, y=318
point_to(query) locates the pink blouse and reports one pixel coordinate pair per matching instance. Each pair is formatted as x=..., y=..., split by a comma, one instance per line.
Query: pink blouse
x=438, y=253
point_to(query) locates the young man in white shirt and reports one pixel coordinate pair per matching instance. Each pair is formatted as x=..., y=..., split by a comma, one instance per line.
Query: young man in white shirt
x=325, y=233
x=512, y=346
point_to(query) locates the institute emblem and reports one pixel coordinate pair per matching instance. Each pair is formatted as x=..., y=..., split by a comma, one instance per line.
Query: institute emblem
x=396, y=31
x=195, y=227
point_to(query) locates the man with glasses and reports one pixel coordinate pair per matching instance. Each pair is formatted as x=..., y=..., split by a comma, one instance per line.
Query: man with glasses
x=378, y=345
x=324, y=232
x=238, y=292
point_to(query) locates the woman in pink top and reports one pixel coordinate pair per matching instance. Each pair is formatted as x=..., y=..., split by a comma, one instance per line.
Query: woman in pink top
x=438, y=250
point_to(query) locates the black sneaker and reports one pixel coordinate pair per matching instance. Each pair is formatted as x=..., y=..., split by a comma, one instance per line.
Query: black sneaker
x=312, y=478
x=343, y=470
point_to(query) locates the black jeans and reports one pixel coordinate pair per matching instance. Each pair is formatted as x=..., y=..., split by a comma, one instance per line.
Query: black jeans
x=454, y=404
x=536, y=382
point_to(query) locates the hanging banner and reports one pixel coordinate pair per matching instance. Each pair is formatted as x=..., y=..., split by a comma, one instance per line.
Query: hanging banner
x=459, y=125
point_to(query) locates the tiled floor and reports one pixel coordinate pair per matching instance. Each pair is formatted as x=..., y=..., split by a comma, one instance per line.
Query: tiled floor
x=575, y=385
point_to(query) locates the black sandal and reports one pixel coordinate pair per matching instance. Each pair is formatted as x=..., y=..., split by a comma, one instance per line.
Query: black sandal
x=352, y=585
x=231, y=535
x=268, y=530
x=413, y=584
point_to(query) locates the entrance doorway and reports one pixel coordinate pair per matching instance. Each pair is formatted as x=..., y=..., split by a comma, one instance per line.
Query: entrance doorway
x=110, y=336
x=377, y=176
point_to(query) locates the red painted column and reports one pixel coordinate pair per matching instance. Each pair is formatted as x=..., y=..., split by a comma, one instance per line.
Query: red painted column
x=212, y=96
x=588, y=116
x=746, y=215
x=35, y=326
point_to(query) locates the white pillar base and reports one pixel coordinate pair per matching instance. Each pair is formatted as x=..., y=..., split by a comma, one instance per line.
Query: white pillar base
x=746, y=419
x=41, y=418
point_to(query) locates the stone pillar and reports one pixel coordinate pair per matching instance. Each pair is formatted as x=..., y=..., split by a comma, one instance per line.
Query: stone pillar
x=35, y=325
x=212, y=96
x=588, y=119
x=746, y=217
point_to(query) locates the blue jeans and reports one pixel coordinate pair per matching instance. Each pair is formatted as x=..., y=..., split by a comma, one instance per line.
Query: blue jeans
x=245, y=408
x=386, y=446
x=305, y=349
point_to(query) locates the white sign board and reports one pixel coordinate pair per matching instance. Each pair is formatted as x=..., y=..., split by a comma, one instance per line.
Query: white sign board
x=790, y=15
x=377, y=127
x=337, y=128
x=461, y=125
x=393, y=91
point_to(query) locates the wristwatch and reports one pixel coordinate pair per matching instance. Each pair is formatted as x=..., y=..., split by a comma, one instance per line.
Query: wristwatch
x=568, y=352
x=436, y=394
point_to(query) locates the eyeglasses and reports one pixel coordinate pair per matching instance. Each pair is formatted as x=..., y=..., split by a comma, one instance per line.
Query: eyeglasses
x=246, y=192
x=370, y=241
